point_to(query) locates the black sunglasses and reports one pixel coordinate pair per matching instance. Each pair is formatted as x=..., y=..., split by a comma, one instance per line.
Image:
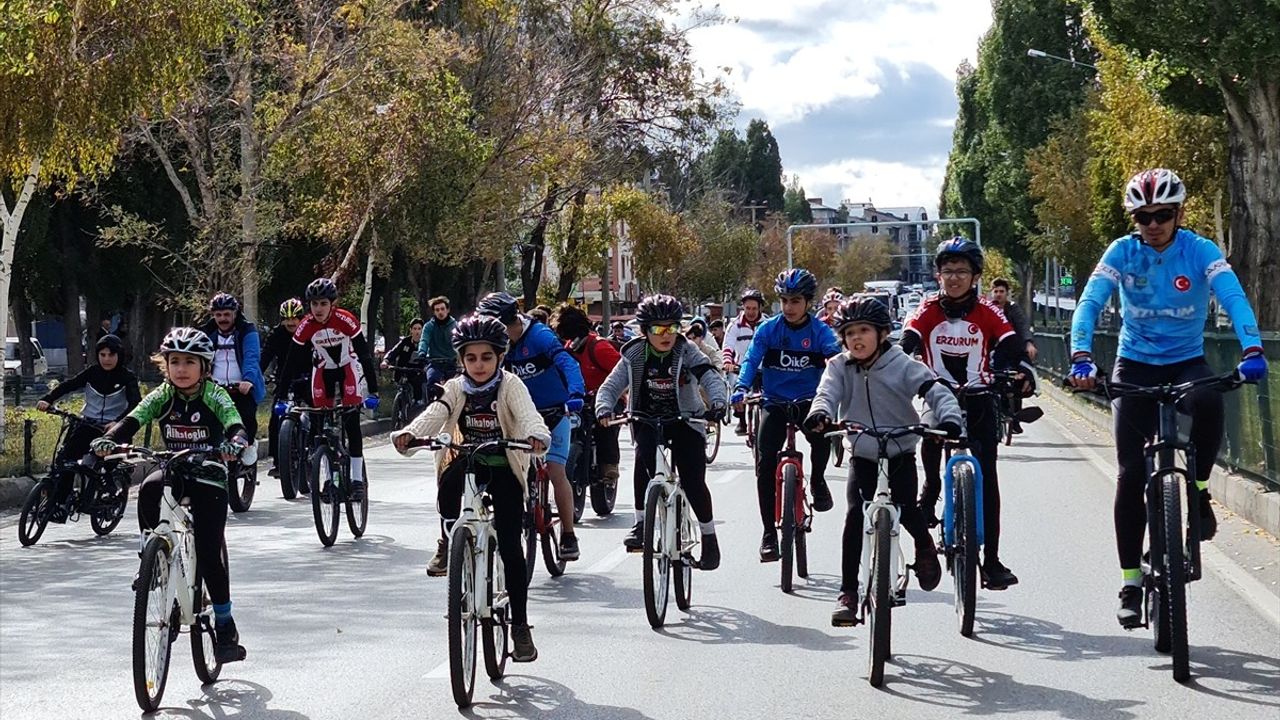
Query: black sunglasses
x=1142, y=217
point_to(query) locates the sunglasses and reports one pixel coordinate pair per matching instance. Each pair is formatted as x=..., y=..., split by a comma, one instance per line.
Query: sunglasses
x=662, y=330
x=1142, y=217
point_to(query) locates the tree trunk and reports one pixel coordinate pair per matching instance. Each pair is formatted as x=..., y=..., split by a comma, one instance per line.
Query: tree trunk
x=1253, y=167
x=569, y=271
x=136, y=342
x=64, y=229
x=531, y=253
x=367, y=296
x=390, y=320
x=249, y=183
x=12, y=220
x=22, y=316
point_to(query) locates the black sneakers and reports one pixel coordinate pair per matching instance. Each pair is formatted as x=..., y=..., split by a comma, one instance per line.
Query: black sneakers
x=769, y=547
x=1130, y=611
x=569, y=547
x=710, y=559
x=928, y=569
x=634, y=542
x=227, y=643
x=524, y=650
x=995, y=576
x=822, y=501
x=358, y=490
x=846, y=612
x=1208, y=521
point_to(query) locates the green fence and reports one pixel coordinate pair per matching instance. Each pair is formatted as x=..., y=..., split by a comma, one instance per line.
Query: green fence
x=1251, y=443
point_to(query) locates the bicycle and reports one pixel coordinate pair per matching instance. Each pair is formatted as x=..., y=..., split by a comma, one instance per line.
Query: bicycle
x=404, y=407
x=713, y=440
x=670, y=528
x=1172, y=560
x=330, y=476
x=475, y=571
x=97, y=490
x=293, y=450
x=883, y=561
x=242, y=480
x=540, y=523
x=169, y=595
x=793, y=513
x=752, y=410
x=585, y=470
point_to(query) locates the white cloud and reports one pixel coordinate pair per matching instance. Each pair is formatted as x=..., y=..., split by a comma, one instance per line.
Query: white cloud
x=888, y=184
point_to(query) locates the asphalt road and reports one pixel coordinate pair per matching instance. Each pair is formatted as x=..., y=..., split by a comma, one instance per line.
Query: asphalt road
x=357, y=630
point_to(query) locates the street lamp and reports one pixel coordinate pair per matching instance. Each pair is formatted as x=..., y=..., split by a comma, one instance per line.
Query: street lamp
x=1032, y=52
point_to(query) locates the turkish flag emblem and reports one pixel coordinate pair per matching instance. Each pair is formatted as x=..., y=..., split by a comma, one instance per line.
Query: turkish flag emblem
x=1182, y=283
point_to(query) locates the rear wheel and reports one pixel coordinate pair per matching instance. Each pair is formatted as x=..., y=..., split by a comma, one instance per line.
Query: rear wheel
x=402, y=409
x=787, y=549
x=358, y=510
x=110, y=504
x=155, y=624
x=550, y=541
x=880, y=596
x=682, y=569
x=202, y=639
x=241, y=487
x=1175, y=574
x=324, y=507
x=965, y=558
x=496, y=631
x=657, y=565
x=463, y=615
x=35, y=513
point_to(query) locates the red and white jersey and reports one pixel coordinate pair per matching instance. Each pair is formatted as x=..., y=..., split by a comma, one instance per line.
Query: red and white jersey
x=959, y=349
x=737, y=337
x=330, y=340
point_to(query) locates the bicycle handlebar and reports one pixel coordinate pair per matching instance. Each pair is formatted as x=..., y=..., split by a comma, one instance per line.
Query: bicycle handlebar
x=444, y=441
x=59, y=412
x=887, y=433
x=1167, y=392
x=651, y=420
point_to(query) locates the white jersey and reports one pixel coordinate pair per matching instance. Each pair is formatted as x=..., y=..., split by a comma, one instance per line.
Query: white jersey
x=737, y=338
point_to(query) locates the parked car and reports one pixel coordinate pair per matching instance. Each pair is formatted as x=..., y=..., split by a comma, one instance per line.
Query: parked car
x=13, y=365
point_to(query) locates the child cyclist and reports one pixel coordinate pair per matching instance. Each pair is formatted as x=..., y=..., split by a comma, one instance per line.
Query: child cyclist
x=194, y=413
x=486, y=403
x=662, y=370
x=872, y=384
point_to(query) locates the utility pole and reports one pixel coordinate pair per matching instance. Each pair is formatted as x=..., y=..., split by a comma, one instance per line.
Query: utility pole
x=605, y=290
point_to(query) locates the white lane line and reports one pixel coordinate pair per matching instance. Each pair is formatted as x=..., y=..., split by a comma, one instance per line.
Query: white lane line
x=1231, y=574
x=439, y=672
x=608, y=562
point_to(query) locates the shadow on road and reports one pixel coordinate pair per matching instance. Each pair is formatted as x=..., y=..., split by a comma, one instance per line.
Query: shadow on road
x=530, y=698
x=713, y=625
x=230, y=698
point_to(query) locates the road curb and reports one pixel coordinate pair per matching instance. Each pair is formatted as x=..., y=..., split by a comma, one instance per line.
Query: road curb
x=1242, y=495
x=14, y=490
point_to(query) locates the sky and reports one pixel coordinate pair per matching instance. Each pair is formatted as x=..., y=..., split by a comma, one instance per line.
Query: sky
x=860, y=94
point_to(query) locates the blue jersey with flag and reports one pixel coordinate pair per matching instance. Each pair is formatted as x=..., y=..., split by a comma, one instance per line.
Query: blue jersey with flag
x=790, y=359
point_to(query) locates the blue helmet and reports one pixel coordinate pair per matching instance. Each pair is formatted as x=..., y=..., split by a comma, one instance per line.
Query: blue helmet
x=796, y=281
x=224, y=301
x=959, y=247
x=500, y=305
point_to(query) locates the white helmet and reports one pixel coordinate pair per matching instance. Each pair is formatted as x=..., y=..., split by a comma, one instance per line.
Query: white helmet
x=187, y=340
x=1157, y=186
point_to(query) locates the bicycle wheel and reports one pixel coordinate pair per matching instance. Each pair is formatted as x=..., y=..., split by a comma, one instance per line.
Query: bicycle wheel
x=358, y=511
x=682, y=569
x=155, y=624
x=35, y=513
x=802, y=552
x=203, y=653
x=241, y=487
x=964, y=567
x=879, y=596
x=787, y=549
x=657, y=565
x=324, y=507
x=579, y=472
x=495, y=631
x=531, y=531
x=402, y=409
x=1175, y=575
x=713, y=442
x=463, y=617
x=109, y=507
x=550, y=540
x=287, y=462
x=603, y=497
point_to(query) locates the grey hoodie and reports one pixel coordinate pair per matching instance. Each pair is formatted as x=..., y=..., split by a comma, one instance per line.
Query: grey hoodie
x=689, y=364
x=882, y=397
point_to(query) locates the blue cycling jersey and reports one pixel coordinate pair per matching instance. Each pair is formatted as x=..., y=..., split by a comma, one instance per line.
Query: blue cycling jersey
x=547, y=369
x=1164, y=298
x=790, y=359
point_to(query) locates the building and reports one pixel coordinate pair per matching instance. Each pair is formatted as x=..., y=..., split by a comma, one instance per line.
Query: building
x=822, y=214
x=913, y=240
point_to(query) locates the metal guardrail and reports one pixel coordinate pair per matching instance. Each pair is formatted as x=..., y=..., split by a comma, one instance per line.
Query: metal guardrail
x=1251, y=445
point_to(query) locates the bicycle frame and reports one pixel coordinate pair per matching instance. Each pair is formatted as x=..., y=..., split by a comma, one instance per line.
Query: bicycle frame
x=477, y=517
x=789, y=455
x=664, y=476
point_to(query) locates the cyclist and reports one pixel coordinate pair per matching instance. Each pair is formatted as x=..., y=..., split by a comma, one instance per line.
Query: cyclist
x=237, y=362
x=596, y=357
x=330, y=339
x=958, y=332
x=436, y=347
x=487, y=403
x=1001, y=298
x=405, y=354
x=275, y=351
x=110, y=391
x=659, y=372
x=1164, y=273
x=737, y=339
x=192, y=413
x=618, y=335
x=717, y=331
x=697, y=334
x=789, y=352
x=831, y=302
x=873, y=384
x=555, y=383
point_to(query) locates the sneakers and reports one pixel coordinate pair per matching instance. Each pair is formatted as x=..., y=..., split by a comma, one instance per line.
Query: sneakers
x=274, y=471
x=1130, y=611
x=710, y=559
x=769, y=546
x=1208, y=521
x=439, y=563
x=568, y=548
x=846, y=612
x=822, y=501
x=634, y=542
x=995, y=576
x=227, y=643
x=928, y=569
x=524, y=650
x=741, y=428
x=358, y=490
x=609, y=473
x=1015, y=427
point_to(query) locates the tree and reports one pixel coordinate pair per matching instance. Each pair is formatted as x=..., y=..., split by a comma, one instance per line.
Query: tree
x=660, y=242
x=795, y=205
x=91, y=67
x=864, y=258
x=1234, y=47
x=709, y=272
x=763, y=167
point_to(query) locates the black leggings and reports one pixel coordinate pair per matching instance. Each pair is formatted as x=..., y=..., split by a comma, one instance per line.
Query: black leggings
x=73, y=448
x=688, y=454
x=770, y=439
x=508, y=522
x=983, y=444
x=209, y=521
x=863, y=477
x=350, y=420
x=248, y=410
x=1135, y=420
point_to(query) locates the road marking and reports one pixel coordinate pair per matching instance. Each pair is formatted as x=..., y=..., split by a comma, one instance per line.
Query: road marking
x=608, y=562
x=1231, y=574
x=439, y=672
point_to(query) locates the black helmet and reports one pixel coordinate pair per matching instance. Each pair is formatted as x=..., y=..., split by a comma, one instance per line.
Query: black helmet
x=864, y=310
x=659, y=310
x=499, y=305
x=321, y=289
x=752, y=294
x=109, y=342
x=479, y=329
x=959, y=247
x=796, y=281
x=224, y=301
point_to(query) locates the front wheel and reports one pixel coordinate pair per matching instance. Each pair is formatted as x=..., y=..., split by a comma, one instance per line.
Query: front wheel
x=203, y=652
x=713, y=441
x=496, y=631
x=358, y=510
x=879, y=596
x=109, y=505
x=402, y=409
x=155, y=624
x=241, y=486
x=35, y=513
x=789, y=481
x=290, y=458
x=578, y=468
x=682, y=569
x=463, y=615
x=657, y=562
x=1175, y=576
x=531, y=530
x=324, y=505
x=964, y=562
x=603, y=497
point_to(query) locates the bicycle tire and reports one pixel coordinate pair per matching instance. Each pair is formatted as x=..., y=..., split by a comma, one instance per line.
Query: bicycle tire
x=802, y=553
x=462, y=616
x=603, y=498
x=241, y=487
x=153, y=575
x=203, y=653
x=657, y=566
x=286, y=463
x=496, y=630
x=1175, y=575
x=965, y=553
x=324, y=509
x=879, y=596
x=358, y=511
x=531, y=531
x=106, y=517
x=682, y=569
x=579, y=478
x=549, y=538
x=35, y=513
x=713, y=446
x=401, y=409
x=790, y=480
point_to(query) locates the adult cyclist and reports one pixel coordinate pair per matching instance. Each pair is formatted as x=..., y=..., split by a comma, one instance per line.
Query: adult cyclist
x=236, y=365
x=1164, y=273
x=435, y=346
x=789, y=351
x=554, y=380
x=737, y=338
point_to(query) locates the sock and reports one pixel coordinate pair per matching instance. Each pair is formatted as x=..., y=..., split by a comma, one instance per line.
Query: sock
x=639, y=516
x=1203, y=485
x=222, y=613
x=1132, y=577
x=708, y=528
x=357, y=470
